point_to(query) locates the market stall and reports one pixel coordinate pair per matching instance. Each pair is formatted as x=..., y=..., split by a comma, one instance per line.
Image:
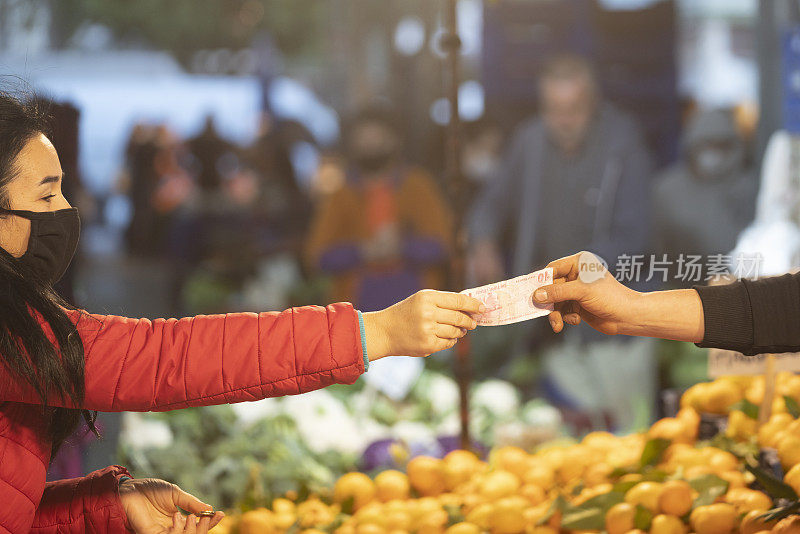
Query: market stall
x=711, y=469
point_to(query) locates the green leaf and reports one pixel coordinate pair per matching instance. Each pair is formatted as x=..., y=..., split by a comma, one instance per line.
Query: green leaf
x=604, y=501
x=623, y=487
x=709, y=487
x=295, y=528
x=583, y=519
x=591, y=514
x=642, y=518
x=454, y=514
x=621, y=471
x=781, y=512
x=653, y=451
x=348, y=505
x=705, y=482
x=791, y=406
x=558, y=505
x=749, y=409
x=654, y=475
x=774, y=487
x=740, y=449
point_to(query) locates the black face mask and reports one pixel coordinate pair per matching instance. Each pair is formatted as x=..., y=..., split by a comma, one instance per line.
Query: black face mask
x=371, y=163
x=53, y=241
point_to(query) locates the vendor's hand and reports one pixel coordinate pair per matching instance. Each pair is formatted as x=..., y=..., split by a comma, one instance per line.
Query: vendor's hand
x=595, y=297
x=426, y=322
x=584, y=290
x=151, y=506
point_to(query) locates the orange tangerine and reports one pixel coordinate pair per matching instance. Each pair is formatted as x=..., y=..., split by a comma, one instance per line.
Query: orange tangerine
x=748, y=500
x=676, y=498
x=667, y=524
x=356, y=486
x=507, y=516
x=751, y=523
x=391, y=485
x=539, y=474
x=370, y=528
x=426, y=475
x=534, y=494
x=498, y=484
x=672, y=429
x=718, y=518
x=284, y=520
x=721, y=395
x=792, y=478
x=789, y=450
x=736, y=479
x=459, y=467
x=511, y=459
x=619, y=518
x=645, y=493
x=481, y=515
x=283, y=506
x=258, y=521
x=789, y=525
x=463, y=528
x=597, y=474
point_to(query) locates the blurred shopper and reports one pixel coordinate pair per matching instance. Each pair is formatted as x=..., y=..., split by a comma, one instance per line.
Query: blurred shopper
x=582, y=160
x=283, y=201
x=59, y=364
x=159, y=184
x=482, y=155
x=208, y=149
x=387, y=232
x=383, y=235
x=140, y=154
x=581, y=157
x=704, y=201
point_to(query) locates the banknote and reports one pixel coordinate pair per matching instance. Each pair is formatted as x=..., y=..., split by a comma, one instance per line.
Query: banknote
x=511, y=301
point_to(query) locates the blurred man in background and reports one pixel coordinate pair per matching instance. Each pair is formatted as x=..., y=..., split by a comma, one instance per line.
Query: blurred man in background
x=578, y=177
x=705, y=200
x=581, y=157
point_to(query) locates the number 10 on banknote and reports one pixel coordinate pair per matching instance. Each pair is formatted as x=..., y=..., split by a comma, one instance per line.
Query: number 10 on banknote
x=511, y=301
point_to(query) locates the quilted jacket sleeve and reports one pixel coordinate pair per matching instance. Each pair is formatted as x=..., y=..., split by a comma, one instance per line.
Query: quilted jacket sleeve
x=143, y=365
x=87, y=505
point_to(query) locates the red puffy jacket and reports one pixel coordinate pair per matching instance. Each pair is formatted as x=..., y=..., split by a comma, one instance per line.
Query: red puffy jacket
x=147, y=365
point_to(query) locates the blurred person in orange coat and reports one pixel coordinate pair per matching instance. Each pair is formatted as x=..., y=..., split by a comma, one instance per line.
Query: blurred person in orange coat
x=387, y=232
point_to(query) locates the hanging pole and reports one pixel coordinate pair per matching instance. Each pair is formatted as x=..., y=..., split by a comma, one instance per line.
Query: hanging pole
x=451, y=44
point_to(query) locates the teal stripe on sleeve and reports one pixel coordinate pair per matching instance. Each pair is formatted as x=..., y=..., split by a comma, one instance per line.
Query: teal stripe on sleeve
x=363, y=340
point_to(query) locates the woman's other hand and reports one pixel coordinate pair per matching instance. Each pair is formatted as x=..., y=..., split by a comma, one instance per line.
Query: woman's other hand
x=426, y=322
x=151, y=506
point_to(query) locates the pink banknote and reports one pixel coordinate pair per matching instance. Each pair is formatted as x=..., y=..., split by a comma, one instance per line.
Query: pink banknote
x=511, y=301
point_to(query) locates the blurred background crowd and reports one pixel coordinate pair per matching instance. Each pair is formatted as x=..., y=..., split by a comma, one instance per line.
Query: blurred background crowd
x=254, y=155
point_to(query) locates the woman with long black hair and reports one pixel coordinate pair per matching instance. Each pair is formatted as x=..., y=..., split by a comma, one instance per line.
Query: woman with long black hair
x=58, y=365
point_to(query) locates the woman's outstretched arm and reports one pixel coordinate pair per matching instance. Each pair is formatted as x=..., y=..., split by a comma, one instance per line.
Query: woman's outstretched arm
x=165, y=364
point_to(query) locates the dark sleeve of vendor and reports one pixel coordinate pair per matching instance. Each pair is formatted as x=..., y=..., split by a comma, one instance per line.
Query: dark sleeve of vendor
x=753, y=316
